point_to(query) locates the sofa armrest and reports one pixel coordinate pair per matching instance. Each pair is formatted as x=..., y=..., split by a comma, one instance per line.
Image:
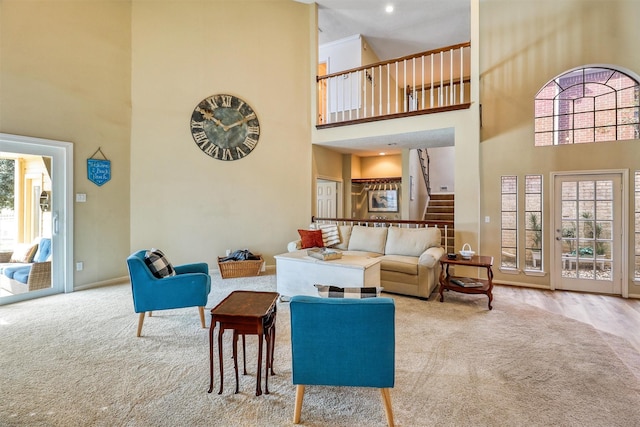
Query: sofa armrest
x=294, y=246
x=431, y=256
x=39, y=275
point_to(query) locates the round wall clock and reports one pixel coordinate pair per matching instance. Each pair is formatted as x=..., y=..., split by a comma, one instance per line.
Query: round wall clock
x=225, y=127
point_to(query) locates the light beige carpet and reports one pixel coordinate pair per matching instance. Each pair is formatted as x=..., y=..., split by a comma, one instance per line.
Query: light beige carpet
x=74, y=360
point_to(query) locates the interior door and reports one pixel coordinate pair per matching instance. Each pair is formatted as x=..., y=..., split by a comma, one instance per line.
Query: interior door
x=326, y=199
x=588, y=232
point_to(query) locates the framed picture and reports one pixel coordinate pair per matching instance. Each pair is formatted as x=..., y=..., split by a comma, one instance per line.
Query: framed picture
x=383, y=200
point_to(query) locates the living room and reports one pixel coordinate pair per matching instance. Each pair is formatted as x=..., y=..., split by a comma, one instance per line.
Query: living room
x=126, y=77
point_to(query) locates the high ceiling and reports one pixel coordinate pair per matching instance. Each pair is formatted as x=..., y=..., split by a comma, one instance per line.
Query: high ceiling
x=414, y=26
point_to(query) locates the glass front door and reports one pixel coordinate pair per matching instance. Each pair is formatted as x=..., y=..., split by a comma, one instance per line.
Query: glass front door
x=588, y=243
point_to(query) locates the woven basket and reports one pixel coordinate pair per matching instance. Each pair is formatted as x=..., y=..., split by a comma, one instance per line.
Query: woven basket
x=229, y=269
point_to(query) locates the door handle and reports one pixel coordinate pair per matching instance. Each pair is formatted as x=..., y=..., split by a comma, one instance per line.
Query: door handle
x=55, y=223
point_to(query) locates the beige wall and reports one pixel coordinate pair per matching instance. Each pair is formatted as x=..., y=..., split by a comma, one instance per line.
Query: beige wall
x=65, y=75
x=192, y=206
x=524, y=45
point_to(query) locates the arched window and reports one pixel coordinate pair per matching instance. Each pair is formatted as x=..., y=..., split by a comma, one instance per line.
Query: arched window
x=590, y=104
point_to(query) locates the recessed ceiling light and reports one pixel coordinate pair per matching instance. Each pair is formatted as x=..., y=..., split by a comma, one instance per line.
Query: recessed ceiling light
x=389, y=8
x=382, y=154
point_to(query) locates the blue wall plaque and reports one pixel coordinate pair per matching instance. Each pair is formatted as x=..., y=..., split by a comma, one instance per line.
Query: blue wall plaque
x=98, y=171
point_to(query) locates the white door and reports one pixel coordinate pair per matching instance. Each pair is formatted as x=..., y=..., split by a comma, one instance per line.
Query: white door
x=326, y=198
x=587, y=214
x=58, y=223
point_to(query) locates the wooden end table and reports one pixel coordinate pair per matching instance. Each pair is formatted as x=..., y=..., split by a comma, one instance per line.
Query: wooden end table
x=246, y=313
x=475, y=261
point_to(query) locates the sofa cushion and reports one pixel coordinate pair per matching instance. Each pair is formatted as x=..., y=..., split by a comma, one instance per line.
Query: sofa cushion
x=12, y=270
x=411, y=241
x=368, y=239
x=311, y=238
x=44, y=250
x=329, y=291
x=22, y=275
x=158, y=264
x=345, y=235
x=23, y=252
x=400, y=264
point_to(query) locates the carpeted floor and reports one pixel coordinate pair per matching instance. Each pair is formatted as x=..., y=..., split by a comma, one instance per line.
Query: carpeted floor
x=74, y=360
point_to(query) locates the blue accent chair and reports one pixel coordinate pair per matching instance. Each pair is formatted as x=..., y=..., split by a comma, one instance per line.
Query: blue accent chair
x=190, y=287
x=343, y=342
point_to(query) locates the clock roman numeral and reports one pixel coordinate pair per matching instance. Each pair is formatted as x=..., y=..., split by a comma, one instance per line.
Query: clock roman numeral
x=200, y=138
x=254, y=130
x=212, y=150
x=240, y=153
x=212, y=102
x=250, y=143
x=197, y=125
x=250, y=117
x=226, y=100
x=226, y=154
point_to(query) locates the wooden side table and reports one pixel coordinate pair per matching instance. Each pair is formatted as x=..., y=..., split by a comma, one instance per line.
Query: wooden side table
x=245, y=312
x=475, y=261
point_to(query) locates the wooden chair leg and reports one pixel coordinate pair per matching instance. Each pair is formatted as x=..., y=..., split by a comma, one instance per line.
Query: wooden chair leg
x=201, y=310
x=386, y=400
x=298, y=408
x=140, y=322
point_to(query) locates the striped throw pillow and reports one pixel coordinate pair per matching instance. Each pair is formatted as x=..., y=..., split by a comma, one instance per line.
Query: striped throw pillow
x=330, y=234
x=328, y=291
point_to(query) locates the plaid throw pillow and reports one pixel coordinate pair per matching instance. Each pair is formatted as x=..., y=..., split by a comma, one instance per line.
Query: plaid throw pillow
x=328, y=291
x=158, y=265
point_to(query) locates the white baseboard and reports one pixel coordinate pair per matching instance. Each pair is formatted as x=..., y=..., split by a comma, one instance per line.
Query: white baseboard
x=115, y=281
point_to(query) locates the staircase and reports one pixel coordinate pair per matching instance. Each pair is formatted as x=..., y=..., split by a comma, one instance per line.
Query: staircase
x=441, y=209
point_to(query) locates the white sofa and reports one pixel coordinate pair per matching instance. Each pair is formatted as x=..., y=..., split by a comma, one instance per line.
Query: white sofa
x=409, y=256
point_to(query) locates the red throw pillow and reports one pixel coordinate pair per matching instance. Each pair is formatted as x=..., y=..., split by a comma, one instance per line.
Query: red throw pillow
x=311, y=238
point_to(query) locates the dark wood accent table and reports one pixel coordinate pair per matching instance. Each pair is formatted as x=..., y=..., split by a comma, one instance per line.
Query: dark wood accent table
x=246, y=313
x=475, y=261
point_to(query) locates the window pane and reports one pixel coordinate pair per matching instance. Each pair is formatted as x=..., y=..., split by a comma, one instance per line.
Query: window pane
x=544, y=107
x=606, y=134
x=605, y=118
x=606, y=102
x=583, y=104
x=546, y=138
x=628, y=97
x=583, y=120
x=544, y=124
x=628, y=132
x=583, y=135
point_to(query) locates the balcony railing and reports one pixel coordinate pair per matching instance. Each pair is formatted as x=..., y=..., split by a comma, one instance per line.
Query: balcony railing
x=423, y=83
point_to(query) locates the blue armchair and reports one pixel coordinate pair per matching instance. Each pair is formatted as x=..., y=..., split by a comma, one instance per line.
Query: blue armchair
x=343, y=342
x=190, y=287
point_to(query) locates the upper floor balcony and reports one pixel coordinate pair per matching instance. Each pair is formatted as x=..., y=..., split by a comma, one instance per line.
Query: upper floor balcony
x=423, y=83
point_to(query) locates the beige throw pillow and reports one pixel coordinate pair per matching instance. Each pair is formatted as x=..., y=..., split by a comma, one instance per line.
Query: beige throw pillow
x=23, y=253
x=368, y=239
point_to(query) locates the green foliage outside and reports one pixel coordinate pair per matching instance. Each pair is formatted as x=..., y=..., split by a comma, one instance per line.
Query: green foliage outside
x=7, y=174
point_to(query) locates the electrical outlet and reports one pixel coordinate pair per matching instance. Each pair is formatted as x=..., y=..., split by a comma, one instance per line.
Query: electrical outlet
x=79, y=266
